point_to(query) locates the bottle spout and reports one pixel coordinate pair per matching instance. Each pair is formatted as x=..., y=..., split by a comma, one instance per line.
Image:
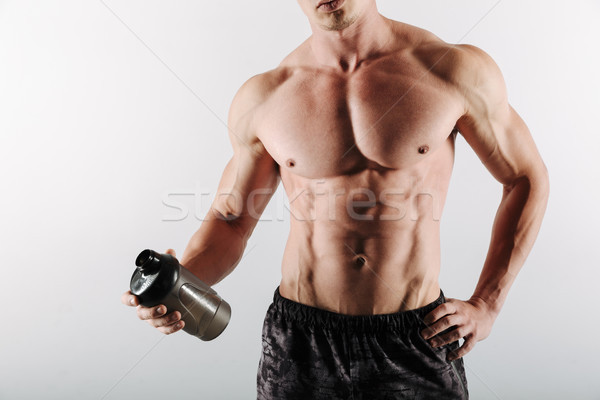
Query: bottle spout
x=148, y=261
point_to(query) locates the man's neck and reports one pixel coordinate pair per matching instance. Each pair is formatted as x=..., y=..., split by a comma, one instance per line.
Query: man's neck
x=347, y=48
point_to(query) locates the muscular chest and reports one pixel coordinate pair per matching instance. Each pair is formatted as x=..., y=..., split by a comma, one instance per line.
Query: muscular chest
x=323, y=124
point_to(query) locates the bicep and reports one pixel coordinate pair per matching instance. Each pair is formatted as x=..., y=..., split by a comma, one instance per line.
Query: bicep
x=247, y=184
x=251, y=176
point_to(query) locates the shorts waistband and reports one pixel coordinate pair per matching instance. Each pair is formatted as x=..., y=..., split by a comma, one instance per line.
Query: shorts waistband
x=310, y=316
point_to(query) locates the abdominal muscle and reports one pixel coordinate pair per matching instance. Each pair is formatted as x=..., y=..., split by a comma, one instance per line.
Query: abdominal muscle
x=358, y=253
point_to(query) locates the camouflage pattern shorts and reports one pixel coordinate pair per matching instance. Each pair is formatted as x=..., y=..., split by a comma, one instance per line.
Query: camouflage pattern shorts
x=309, y=353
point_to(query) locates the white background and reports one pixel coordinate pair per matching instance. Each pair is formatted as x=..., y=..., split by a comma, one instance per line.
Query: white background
x=96, y=131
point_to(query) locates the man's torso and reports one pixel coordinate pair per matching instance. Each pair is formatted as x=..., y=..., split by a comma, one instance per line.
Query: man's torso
x=365, y=159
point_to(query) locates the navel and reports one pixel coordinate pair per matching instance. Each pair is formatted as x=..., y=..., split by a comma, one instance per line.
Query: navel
x=290, y=162
x=359, y=260
x=423, y=149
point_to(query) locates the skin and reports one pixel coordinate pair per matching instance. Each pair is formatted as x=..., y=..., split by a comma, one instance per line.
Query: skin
x=359, y=124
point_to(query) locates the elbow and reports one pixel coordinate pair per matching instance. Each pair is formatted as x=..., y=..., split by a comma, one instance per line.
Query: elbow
x=229, y=210
x=540, y=181
x=535, y=185
x=234, y=221
x=545, y=180
x=536, y=180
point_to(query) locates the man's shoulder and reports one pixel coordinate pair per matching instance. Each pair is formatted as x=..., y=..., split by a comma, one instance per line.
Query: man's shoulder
x=455, y=63
x=469, y=70
x=259, y=87
x=257, y=90
x=472, y=72
x=458, y=64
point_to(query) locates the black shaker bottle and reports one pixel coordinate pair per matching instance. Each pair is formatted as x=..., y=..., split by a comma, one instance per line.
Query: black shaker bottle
x=160, y=279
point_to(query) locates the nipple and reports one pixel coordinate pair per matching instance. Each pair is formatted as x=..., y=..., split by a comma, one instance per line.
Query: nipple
x=423, y=149
x=290, y=162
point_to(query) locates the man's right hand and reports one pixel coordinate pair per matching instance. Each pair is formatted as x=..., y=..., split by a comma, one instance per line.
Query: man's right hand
x=155, y=316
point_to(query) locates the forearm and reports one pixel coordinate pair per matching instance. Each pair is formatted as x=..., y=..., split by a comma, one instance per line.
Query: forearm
x=514, y=231
x=216, y=248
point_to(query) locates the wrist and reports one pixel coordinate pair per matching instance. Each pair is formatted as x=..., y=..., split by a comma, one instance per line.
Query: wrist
x=489, y=307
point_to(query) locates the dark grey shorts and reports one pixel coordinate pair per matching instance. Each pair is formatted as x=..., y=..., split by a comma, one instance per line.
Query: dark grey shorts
x=309, y=353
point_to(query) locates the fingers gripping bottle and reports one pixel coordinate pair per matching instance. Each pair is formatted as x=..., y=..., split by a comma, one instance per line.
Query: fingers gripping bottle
x=160, y=279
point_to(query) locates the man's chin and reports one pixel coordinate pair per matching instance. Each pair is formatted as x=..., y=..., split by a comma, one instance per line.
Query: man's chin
x=338, y=24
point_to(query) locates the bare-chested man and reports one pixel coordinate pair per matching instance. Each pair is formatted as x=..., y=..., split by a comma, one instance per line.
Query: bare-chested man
x=359, y=123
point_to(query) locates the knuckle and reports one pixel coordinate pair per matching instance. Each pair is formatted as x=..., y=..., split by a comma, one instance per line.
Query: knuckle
x=456, y=334
x=158, y=311
x=433, y=331
x=168, y=327
x=459, y=319
x=128, y=299
x=163, y=330
x=459, y=328
x=444, y=324
x=169, y=320
x=442, y=340
x=469, y=345
x=435, y=315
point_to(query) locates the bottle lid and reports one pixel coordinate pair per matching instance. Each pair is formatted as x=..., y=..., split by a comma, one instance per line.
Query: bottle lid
x=153, y=277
